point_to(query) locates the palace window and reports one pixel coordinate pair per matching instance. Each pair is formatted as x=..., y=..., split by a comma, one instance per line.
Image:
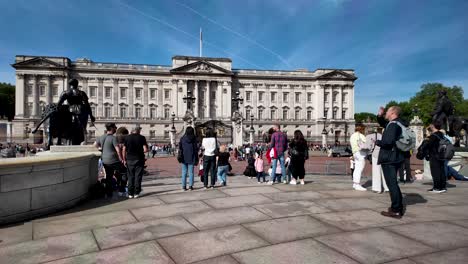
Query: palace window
x=138, y=93
x=152, y=134
x=285, y=97
x=30, y=89
x=137, y=112
x=123, y=92
x=309, y=114
x=153, y=93
x=123, y=112
x=272, y=114
x=167, y=94
x=152, y=112
x=260, y=114
x=325, y=113
x=297, y=114
x=344, y=97
x=92, y=91
x=259, y=133
x=213, y=95
x=108, y=92
x=93, y=109
x=28, y=109
x=335, y=112
x=335, y=95
x=166, y=134
x=260, y=96
x=309, y=134
x=248, y=96
x=273, y=96
x=166, y=113
x=285, y=114
x=309, y=97
x=42, y=90
x=343, y=114
x=55, y=90
x=247, y=114
x=107, y=112
x=298, y=97
x=325, y=97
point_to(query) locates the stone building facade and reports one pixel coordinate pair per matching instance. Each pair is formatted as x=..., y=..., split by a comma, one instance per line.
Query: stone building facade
x=148, y=95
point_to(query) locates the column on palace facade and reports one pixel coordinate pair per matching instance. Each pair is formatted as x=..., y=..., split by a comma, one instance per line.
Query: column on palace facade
x=131, y=107
x=320, y=102
x=229, y=97
x=159, y=99
x=175, y=97
x=115, y=96
x=48, y=90
x=255, y=100
x=100, y=97
x=197, y=98
x=146, y=98
x=340, y=102
x=219, y=99
x=35, y=112
x=182, y=108
x=267, y=99
x=351, y=102
x=207, y=99
x=20, y=92
x=84, y=85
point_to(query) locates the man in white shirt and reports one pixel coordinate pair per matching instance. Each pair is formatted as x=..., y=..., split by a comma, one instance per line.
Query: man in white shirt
x=358, y=141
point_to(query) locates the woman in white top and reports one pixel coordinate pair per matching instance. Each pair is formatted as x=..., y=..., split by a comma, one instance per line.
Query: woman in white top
x=378, y=179
x=358, y=146
x=209, y=144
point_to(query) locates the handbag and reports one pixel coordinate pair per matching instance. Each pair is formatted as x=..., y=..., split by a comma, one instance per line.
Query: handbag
x=180, y=155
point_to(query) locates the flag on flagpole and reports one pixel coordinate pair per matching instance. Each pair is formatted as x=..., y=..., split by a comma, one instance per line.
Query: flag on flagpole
x=201, y=41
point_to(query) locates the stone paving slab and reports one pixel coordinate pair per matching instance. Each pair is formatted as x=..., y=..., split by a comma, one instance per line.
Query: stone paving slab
x=434, y=213
x=435, y=234
x=191, y=196
x=456, y=256
x=167, y=210
x=402, y=261
x=142, y=231
x=237, y=201
x=374, y=245
x=347, y=193
x=209, y=244
x=298, y=252
x=410, y=199
x=346, y=204
x=358, y=219
x=291, y=228
x=460, y=199
x=225, y=217
x=16, y=234
x=295, y=208
x=81, y=223
x=463, y=223
x=219, y=260
x=295, y=196
x=249, y=190
x=301, y=188
x=144, y=253
x=48, y=249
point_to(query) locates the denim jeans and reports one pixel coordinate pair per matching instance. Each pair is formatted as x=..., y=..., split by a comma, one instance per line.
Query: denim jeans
x=222, y=173
x=209, y=167
x=275, y=163
x=390, y=174
x=187, y=168
x=260, y=174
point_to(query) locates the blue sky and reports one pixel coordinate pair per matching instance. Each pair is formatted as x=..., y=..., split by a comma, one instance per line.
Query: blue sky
x=394, y=46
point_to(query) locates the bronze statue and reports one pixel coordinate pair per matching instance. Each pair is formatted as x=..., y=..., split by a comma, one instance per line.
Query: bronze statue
x=68, y=121
x=443, y=110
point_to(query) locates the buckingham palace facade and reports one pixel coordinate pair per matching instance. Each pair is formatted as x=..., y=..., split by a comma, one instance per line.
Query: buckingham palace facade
x=148, y=95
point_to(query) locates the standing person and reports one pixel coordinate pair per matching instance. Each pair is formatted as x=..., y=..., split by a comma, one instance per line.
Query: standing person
x=299, y=154
x=111, y=156
x=188, y=152
x=287, y=164
x=223, y=164
x=390, y=157
x=377, y=174
x=134, y=150
x=259, y=167
x=153, y=150
x=406, y=168
x=439, y=177
x=358, y=140
x=279, y=142
x=121, y=134
x=209, y=144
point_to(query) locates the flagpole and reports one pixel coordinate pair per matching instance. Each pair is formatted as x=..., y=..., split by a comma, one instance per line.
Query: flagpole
x=201, y=42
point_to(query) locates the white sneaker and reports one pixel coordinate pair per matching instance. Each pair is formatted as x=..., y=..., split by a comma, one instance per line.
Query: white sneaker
x=270, y=183
x=285, y=182
x=302, y=182
x=358, y=187
x=259, y=182
x=130, y=197
x=136, y=196
x=293, y=182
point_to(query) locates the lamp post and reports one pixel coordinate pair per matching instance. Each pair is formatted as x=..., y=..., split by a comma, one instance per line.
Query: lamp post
x=27, y=131
x=252, y=130
x=238, y=134
x=173, y=131
x=237, y=100
x=324, y=132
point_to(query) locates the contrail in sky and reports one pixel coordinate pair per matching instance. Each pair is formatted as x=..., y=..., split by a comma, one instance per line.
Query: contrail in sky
x=235, y=32
x=183, y=31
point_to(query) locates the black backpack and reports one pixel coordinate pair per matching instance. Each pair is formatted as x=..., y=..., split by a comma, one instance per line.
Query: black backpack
x=446, y=150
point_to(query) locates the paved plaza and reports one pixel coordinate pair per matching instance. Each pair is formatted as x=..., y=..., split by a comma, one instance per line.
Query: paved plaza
x=323, y=221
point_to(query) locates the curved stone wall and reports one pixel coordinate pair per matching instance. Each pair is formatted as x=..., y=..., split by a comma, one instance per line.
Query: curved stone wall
x=35, y=186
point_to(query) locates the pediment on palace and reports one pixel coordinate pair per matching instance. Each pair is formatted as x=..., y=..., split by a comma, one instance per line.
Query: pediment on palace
x=39, y=62
x=337, y=75
x=201, y=67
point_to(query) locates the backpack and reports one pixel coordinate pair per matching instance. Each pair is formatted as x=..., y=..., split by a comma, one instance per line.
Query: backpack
x=407, y=140
x=446, y=150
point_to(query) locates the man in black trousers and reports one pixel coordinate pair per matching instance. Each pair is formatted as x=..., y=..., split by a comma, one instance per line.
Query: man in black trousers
x=390, y=157
x=134, y=150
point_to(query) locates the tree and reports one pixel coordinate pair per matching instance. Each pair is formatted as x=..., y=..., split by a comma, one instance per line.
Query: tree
x=364, y=117
x=7, y=101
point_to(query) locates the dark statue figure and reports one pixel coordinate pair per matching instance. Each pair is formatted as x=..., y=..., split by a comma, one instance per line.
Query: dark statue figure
x=68, y=121
x=443, y=110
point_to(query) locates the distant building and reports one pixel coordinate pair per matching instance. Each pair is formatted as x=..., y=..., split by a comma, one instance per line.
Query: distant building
x=148, y=94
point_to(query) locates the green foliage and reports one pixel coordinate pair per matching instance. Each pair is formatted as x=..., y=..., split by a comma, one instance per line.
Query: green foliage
x=425, y=101
x=7, y=101
x=364, y=117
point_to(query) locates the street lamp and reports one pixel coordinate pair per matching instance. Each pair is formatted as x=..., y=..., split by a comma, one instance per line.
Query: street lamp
x=189, y=100
x=173, y=118
x=237, y=100
x=252, y=130
x=27, y=130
